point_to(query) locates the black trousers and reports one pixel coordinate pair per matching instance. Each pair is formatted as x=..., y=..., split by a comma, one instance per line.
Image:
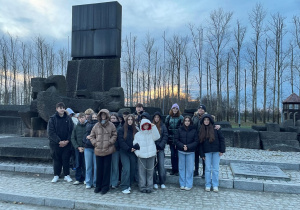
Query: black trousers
x=61, y=158
x=174, y=158
x=103, y=172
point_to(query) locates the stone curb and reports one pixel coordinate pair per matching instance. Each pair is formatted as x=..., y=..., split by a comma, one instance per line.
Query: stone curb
x=70, y=204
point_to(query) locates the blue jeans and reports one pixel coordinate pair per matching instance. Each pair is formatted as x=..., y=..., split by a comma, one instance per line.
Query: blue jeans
x=114, y=177
x=129, y=163
x=80, y=169
x=212, y=161
x=186, y=168
x=90, y=164
x=160, y=167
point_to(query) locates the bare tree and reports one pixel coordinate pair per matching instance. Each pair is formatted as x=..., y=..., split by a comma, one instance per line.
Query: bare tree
x=256, y=18
x=218, y=37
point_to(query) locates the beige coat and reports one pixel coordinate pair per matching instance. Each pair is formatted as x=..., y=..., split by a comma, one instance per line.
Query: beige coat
x=104, y=136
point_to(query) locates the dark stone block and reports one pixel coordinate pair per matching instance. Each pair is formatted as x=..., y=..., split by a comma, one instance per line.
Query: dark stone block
x=273, y=127
x=38, y=84
x=103, y=74
x=284, y=148
x=287, y=123
x=292, y=129
x=59, y=82
x=96, y=30
x=224, y=124
x=280, y=136
x=229, y=136
x=33, y=106
x=26, y=117
x=190, y=111
x=124, y=110
x=298, y=123
x=38, y=123
x=259, y=128
x=268, y=143
x=246, y=138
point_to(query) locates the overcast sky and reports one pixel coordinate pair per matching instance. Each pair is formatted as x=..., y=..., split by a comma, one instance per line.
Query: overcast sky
x=52, y=18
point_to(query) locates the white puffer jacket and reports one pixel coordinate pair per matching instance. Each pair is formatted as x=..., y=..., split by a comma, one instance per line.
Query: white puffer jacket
x=146, y=138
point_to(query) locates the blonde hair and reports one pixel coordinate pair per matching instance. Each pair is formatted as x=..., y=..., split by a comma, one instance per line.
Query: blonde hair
x=89, y=111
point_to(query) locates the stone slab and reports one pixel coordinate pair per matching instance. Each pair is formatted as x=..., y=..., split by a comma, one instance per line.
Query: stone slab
x=281, y=188
x=269, y=143
x=7, y=168
x=225, y=183
x=247, y=185
x=273, y=127
x=258, y=171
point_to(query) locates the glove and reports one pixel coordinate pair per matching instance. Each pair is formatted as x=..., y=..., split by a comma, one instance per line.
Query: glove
x=136, y=146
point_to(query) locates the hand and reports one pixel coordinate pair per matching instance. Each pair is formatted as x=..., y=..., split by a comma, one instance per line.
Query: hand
x=220, y=153
x=203, y=158
x=152, y=124
x=62, y=143
x=89, y=137
x=217, y=127
x=132, y=149
x=81, y=149
x=184, y=147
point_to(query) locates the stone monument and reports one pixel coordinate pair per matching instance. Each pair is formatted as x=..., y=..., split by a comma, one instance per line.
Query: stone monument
x=93, y=77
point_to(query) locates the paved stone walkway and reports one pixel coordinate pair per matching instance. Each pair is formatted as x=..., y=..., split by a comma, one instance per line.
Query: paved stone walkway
x=32, y=189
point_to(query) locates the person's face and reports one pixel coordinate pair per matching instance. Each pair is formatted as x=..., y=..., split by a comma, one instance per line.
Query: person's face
x=82, y=119
x=103, y=116
x=146, y=126
x=60, y=110
x=87, y=116
x=94, y=117
x=130, y=120
x=175, y=110
x=187, y=122
x=139, y=109
x=201, y=111
x=206, y=121
x=113, y=119
x=120, y=119
x=156, y=118
x=124, y=116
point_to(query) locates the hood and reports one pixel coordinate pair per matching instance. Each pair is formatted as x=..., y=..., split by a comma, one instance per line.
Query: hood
x=145, y=121
x=70, y=111
x=103, y=111
x=157, y=113
x=146, y=114
x=207, y=116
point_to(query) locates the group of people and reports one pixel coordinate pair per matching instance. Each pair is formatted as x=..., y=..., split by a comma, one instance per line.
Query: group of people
x=115, y=150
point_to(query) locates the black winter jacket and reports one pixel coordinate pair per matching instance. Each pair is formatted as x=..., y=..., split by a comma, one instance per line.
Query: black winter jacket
x=125, y=144
x=59, y=128
x=161, y=142
x=89, y=126
x=187, y=136
x=218, y=145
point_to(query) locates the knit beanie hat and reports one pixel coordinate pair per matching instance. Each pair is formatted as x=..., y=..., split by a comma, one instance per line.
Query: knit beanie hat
x=202, y=107
x=175, y=106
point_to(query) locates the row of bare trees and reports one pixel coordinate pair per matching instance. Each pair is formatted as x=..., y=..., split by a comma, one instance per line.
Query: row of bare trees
x=233, y=67
x=20, y=61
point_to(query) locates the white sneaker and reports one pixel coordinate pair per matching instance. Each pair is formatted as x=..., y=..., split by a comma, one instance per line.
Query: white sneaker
x=76, y=183
x=127, y=191
x=182, y=187
x=207, y=189
x=163, y=186
x=129, y=188
x=88, y=187
x=155, y=186
x=84, y=182
x=55, y=179
x=216, y=189
x=187, y=188
x=68, y=178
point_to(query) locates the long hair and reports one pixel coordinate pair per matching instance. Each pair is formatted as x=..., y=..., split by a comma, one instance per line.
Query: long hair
x=158, y=124
x=191, y=122
x=126, y=125
x=207, y=132
x=174, y=115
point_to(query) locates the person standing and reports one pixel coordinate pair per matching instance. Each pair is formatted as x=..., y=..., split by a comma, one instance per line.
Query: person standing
x=89, y=154
x=146, y=154
x=160, y=153
x=186, y=140
x=173, y=122
x=76, y=139
x=59, y=130
x=212, y=147
x=128, y=158
x=103, y=137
